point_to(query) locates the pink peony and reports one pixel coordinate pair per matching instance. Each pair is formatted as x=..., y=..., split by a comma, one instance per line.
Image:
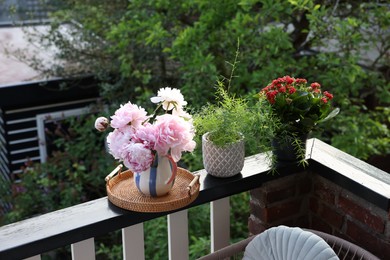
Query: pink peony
x=174, y=134
x=146, y=134
x=135, y=140
x=116, y=140
x=128, y=114
x=177, y=150
x=137, y=157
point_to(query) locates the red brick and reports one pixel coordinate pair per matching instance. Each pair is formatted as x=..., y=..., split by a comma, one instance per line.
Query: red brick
x=304, y=185
x=324, y=192
x=280, y=189
x=283, y=210
x=362, y=214
x=361, y=237
x=313, y=205
x=330, y=216
x=280, y=194
x=282, y=182
x=257, y=194
x=387, y=231
x=286, y=222
x=320, y=225
x=385, y=252
x=255, y=226
x=256, y=210
x=302, y=222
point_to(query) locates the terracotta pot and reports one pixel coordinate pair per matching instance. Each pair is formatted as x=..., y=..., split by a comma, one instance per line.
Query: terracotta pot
x=223, y=161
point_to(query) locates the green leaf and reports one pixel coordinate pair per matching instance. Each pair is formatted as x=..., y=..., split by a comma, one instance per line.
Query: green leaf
x=332, y=114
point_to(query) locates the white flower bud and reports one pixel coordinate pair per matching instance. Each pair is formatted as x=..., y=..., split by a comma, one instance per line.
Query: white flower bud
x=101, y=124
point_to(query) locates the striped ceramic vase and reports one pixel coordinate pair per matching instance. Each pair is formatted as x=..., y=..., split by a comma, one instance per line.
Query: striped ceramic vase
x=158, y=180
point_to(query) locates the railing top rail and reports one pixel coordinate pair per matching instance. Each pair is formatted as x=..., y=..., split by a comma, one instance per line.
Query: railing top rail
x=97, y=217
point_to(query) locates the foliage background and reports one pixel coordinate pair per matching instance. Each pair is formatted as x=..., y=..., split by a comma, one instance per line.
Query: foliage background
x=135, y=47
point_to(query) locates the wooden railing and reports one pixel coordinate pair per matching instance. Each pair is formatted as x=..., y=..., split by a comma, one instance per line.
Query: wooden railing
x=78, y=225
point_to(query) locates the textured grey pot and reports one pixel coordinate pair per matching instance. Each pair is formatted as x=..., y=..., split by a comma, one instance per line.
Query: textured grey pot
x=224, y=161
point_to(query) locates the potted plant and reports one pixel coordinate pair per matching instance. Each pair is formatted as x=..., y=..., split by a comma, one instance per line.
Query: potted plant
x=222, y=127
x=297, y=107
x=231, y=127
x=150, y=145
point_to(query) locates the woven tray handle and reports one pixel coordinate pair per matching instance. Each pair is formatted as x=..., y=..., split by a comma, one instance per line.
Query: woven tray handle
x=118, y=170
x=192, y=183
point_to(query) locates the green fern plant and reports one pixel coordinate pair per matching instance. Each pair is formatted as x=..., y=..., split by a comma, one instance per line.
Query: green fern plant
x=229, y=118
x=226, y=121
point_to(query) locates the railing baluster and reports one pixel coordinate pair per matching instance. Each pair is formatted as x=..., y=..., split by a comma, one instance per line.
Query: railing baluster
x=133, y=242
x=84, y=250
x=220, y=223
x=37, y=257
x=178, y=235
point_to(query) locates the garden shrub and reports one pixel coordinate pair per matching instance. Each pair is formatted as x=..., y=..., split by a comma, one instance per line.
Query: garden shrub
x=135, y=47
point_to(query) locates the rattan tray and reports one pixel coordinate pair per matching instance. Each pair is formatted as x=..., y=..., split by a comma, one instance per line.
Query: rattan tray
x=122, y=192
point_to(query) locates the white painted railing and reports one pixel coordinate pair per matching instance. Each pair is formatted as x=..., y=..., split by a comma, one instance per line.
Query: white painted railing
x=178, y=243
x=78, y=225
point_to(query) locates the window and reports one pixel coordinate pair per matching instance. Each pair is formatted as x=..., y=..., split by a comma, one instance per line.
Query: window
x=51, y=126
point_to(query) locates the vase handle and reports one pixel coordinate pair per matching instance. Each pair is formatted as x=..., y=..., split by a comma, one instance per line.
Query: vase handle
x=174, y=169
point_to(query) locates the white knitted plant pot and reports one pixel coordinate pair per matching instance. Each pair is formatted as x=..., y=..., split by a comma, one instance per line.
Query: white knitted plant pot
x=223, y=161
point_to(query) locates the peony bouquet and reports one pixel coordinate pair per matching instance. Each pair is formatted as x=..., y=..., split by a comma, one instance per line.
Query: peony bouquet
x=137, y=136
x=298, y=105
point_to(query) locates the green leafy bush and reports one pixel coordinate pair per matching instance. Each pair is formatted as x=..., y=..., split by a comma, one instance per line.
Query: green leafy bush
x=135, y=47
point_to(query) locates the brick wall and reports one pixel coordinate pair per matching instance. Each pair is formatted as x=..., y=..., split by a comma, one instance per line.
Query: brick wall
x=310, y=201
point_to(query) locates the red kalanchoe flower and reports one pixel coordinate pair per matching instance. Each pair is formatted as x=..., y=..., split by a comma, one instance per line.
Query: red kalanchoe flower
x=315, y=85
x=328, y=95
x=298, y=99
x=271, y=96
x=291, y=90
x=266, y=89
x=300, y=81
x=288, y=79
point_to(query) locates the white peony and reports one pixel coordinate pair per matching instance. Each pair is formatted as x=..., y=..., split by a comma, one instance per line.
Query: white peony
x=170, y=98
